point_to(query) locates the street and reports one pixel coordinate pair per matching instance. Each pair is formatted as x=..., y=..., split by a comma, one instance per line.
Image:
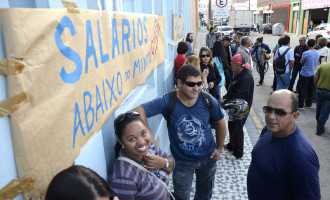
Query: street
x=306, y=120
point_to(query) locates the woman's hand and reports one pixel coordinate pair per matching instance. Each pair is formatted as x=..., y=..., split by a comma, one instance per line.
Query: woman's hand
x=154, y=162
x=211, y=85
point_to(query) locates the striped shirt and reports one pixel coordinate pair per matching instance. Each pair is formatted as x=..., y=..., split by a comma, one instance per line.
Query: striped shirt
x=129, y=182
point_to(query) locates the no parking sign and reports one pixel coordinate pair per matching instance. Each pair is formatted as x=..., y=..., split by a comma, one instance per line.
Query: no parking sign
x=221, y=9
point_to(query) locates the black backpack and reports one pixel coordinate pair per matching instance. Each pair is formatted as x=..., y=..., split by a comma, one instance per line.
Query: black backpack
x=172, y=102
x=280, y=65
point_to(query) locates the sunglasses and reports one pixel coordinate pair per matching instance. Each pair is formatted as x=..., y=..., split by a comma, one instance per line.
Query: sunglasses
x=123, y=116
x=207, y=55
x=192, y=84
x=277, y=111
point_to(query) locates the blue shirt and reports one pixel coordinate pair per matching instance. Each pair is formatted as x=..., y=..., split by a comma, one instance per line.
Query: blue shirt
x=310, y=59
x=190, y=50
x=289, y=56
x=190, y=132
x=283, y=168
x=218, y=62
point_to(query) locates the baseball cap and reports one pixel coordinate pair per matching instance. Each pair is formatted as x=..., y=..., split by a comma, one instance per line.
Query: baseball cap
x=240, y=59
x=226, y=38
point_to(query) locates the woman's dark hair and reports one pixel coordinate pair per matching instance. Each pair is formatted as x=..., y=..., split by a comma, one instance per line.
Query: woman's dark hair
x=260, y=39
x=188, y=70
x=219, y=51
x=120, y=125
x=208, y=50
x=78, y=183
x=182, y=48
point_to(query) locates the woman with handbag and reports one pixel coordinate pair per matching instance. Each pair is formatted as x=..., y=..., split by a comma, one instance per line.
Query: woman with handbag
x=141, y=170
x=260, y=49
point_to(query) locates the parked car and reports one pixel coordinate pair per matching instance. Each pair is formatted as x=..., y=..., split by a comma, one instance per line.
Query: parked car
x=323, y=29
x=226, y=30
x=266, y=28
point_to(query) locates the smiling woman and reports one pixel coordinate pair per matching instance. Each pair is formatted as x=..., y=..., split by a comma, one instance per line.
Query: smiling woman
x=139, y=157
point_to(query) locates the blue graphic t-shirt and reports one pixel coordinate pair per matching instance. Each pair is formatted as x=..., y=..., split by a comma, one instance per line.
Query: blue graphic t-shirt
x=190, y=133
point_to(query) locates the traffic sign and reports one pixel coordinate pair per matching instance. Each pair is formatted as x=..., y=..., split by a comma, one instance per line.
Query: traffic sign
x=221, y=9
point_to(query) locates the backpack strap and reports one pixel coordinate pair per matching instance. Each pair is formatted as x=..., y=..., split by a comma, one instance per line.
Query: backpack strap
x=207, y=101
x=286, y=51
x=171, y=105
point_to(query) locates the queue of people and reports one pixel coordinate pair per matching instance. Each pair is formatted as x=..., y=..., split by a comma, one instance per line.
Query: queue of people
x=284, y=164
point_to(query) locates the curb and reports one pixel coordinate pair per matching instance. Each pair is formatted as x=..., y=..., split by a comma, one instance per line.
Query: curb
x=259, y=125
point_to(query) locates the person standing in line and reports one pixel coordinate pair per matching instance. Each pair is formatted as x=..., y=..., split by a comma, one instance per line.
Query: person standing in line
x=323, y=51
x=283, y=80
x=210, y=38
x=277, y=46
x=284, y=164
x=317, y=37
x=213, y=78
x=229, y=51
x=298, y=51
x=180, y=58
x=241, y=87
x=321, y=80
x=311, y=26
x=189, y=41
x=236, y=44
x=260, y=49
x=190, y=133
x=306, y=86
x=245, y=51
x=220, y=59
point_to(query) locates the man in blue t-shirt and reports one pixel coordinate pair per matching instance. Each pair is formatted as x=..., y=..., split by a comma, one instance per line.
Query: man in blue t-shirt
x=284, y=165
x=191, y=140
x=306, y=78
x=283, y=80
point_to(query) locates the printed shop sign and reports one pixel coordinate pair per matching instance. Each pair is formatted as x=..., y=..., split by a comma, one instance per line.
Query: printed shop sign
x=78, y=68
x=309, y=4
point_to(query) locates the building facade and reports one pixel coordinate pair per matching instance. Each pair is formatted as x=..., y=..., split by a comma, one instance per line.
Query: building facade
x=303, y=11
x=98, y=152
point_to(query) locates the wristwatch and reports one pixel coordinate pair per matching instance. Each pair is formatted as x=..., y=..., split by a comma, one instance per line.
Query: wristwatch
x=167, y=164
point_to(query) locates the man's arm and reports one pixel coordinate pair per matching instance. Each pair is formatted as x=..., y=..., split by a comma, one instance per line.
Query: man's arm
x=220, y=135
x=143, y=115
x=291, y=65
x=316, y=79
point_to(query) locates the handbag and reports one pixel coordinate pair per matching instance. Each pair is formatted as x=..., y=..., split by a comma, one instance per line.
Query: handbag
x=147, y=171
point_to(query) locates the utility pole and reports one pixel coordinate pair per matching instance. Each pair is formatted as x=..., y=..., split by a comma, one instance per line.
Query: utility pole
x=298, y=21
x=210, y=10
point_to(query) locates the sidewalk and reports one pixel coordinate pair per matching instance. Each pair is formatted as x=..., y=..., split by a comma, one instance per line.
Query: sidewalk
x=231, y=175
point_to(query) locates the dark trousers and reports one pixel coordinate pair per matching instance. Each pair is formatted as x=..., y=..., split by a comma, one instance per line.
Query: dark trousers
x=306, y=87
x=295, y=71
x=228, y=76
x=236, y=137
x=261, y=71
x=274, y=80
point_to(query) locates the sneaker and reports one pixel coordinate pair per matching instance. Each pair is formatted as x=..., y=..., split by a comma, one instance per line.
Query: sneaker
x=320, y=133
x=308, y=107
x=300, y=108
x=259, y=84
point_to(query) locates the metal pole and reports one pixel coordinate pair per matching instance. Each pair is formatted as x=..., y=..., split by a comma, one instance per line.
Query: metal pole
x=297, y=29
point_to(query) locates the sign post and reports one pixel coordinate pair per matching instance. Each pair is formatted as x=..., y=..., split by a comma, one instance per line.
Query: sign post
x=221, y=11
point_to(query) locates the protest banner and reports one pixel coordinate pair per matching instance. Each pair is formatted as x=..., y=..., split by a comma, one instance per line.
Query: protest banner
x=78, y=68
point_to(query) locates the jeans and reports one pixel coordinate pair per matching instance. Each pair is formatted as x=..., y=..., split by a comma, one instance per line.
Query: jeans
x=183, y=178
x=306, y=87
x=283, y=80
x=261, y=71
x=322, y=108
x=296, y=69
